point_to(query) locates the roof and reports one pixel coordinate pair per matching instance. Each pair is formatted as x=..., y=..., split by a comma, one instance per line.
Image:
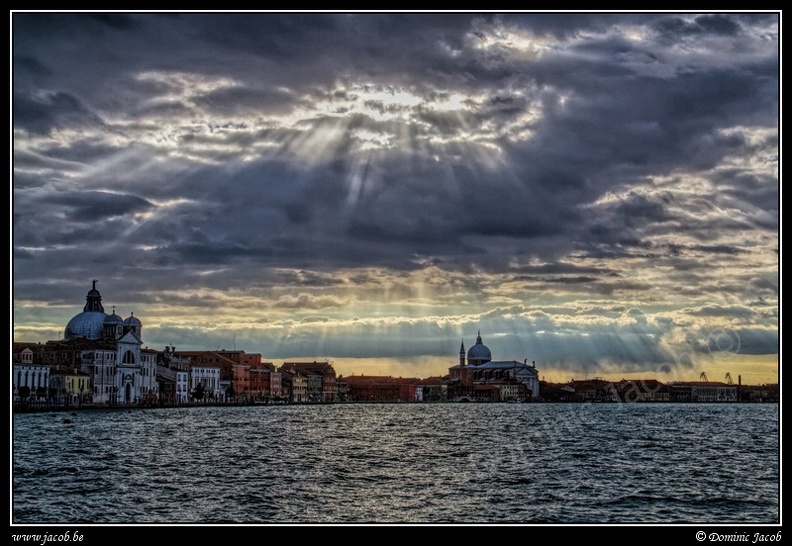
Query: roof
x=380, y=380
x=504, y=364
x=88, y=324
x=313, y=367
x=700, y=384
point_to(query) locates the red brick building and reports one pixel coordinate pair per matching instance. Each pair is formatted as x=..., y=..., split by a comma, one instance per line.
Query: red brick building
x=377, y=388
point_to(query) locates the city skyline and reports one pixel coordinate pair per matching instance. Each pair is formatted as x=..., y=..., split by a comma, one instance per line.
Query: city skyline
x=595, y=192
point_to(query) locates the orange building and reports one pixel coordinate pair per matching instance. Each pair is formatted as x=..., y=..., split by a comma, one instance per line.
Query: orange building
x=234, y=368
x=378, y=388
x=261, y=380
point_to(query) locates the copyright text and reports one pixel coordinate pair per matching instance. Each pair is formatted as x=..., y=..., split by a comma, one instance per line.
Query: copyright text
x=753, y=538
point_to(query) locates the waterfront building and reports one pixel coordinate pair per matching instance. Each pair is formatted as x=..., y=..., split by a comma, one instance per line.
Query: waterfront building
x=166, y=382
x=208, y=377
x=432, y=389
x=70, y=388
x=478, y=377
x=294, y=385
x=61, y=355
x=235, y=366
x=642, y=390
x=31, y=381
x=181, y=393
x=342, y=389
x=321, y=379
x=109, y=350
x=275, y=383
x=768, y=392
x=589, y=390
x=378, y=388
x=260, y=380
x=173, y=376
x=702, y=391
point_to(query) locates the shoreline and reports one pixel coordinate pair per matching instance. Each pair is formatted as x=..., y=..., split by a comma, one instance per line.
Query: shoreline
x=73, y=410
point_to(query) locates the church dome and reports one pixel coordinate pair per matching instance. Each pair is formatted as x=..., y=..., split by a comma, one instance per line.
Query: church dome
x=479, y=353
x=113, y=320
x=90, y=323
x=132, y=321
x=133, y=324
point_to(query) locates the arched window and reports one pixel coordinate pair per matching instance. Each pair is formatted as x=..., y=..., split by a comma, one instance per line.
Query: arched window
x=129, y=358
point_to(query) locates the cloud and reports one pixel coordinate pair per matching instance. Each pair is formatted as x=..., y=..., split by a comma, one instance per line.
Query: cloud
x=307, y=301
x=420, y=168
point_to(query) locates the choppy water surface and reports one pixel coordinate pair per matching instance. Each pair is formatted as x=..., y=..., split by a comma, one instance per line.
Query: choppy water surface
x=411, y=463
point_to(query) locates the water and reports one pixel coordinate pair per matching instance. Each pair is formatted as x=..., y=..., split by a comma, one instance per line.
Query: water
x=401, y=463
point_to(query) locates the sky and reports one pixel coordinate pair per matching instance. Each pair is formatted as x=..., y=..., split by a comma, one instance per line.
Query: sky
x=596, y=192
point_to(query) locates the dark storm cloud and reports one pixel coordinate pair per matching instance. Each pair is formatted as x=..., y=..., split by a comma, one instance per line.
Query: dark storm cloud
x=59, y=110
x=243, y=143
x=243, y=100
x=30, y=66
x=115, y=20
x=735, y=341
x=673, y=27
x=91, y=207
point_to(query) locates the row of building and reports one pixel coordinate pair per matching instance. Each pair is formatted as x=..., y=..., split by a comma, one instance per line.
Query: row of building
x=102, y=360
x=652, y=390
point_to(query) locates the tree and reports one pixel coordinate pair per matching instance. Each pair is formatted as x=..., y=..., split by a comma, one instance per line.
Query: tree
x=198, y=393
x=24, y=392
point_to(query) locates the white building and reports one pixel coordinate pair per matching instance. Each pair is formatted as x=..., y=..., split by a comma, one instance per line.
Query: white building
x=35, y=377
x=182, y=387
x=209, y=378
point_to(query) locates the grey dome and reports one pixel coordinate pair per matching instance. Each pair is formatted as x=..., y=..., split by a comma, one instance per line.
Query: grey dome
x=479, y=353
x=113, y=319
x=88, y=324
x=132, y=320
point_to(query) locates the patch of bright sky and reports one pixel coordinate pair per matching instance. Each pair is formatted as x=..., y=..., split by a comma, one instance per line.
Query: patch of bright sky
x=761, y=142
x=370, y=140
x=514, y=40
x=318, y=124
x=184, y=86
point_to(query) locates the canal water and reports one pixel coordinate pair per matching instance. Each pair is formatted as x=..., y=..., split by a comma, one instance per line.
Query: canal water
x=400, y=463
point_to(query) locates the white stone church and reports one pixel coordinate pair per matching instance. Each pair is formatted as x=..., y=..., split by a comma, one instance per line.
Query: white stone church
x=121, y=371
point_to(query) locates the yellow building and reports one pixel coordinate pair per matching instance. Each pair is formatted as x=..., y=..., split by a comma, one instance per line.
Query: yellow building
x=71, y=389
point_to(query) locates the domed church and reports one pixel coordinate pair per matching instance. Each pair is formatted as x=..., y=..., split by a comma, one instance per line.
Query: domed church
x=478, y=377
x=94, y=324
x=121, y=371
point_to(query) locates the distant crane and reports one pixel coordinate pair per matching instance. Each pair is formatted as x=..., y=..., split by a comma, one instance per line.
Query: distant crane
x=729, y=379
x=703, y=377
